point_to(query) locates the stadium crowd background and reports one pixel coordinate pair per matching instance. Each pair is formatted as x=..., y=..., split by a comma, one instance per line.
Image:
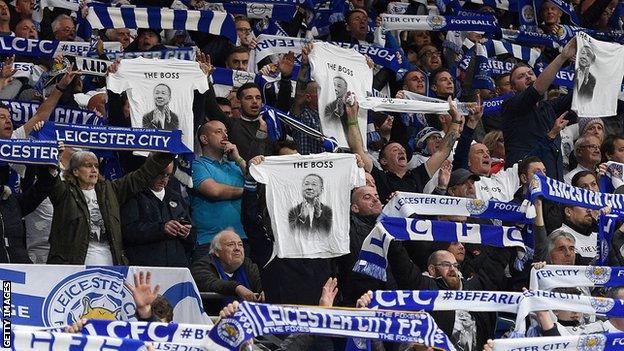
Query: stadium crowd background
x=220, y=227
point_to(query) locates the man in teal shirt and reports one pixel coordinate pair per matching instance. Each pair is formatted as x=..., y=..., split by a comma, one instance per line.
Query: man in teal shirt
x=218, y=183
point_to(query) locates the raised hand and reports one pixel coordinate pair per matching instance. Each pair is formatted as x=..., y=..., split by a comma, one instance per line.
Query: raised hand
x=142, y=293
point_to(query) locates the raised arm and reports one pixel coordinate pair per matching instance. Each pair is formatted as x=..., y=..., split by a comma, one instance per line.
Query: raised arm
x=435, y=161
x=354, y=137
x=547, y=76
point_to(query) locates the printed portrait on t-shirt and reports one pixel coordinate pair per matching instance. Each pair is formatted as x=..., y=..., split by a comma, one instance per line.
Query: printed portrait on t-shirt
x=585, y=81
x=311, y=213
x=598, y=73
x=161, y=117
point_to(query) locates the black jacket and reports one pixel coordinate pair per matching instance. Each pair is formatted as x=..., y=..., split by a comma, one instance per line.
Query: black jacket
x=144, y=238
x=13, y=209
x=490, y=276
x=208, y=280
x=285, y=280
x=352, y=284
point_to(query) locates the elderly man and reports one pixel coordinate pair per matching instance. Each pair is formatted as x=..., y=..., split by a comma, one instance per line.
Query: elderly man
x=227, y=271
x=218, y=183
x=161, y=117
x=64, y=28
x=156, y=226
x=587, y=152
x=311, y=214
x=365, y=208
x=584, y=80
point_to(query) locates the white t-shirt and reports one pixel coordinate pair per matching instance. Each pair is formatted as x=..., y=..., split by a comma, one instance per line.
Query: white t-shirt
x=160, y=92
x=586, y=245
x=599, y=69
x=99, y=253
x=308, y=198
x=501, y=186
x=337, y=71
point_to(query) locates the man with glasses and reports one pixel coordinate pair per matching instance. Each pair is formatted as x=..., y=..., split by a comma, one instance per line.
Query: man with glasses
x=430, y=58
x=588, y=155
x=156, y=226
x=466, y=329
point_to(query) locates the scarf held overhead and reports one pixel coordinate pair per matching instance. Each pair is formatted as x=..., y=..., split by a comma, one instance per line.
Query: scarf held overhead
x=115, y=138
x=406, y=204
x=372, y=260
x=555, y=276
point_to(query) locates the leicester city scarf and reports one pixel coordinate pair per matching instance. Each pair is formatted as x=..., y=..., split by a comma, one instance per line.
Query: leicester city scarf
x=255, y=319
x=43, y=340
x=499, y=47
x=272, y=44
x=554, y=190
x=405, y=204
x=154, y=333
x=115, y=138
x=554, y=276
x=385, y=57
x=495, y=105
x=42, y=152
x=372, y=259
x=492, y=301
x=255, y=10
x=589, y=342
x=188, y=54
x=101, y=16
x=481, y=23
x=10, y=45
x=22, y=111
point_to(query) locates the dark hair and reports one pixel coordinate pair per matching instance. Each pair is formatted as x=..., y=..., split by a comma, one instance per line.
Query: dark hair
x=612, y=292
x=223, y=101
x=523, y=165
x=238, y=50
x=280, y=144
x=436, y=72
x=608, y=145
x=580, y=175
x=499, y=77
x=242, y=88
x=162, y=309
x=516, y=66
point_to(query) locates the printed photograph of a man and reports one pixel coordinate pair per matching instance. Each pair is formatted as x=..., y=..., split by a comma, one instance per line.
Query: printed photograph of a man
x=311, y=214
x=161, y=117
x=584, y=80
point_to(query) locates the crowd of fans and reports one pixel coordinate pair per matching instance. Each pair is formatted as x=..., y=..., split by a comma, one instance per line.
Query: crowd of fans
x=220, y=228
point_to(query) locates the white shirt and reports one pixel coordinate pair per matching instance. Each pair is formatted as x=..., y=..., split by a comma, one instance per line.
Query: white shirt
x=586, y=245
x=568, y=177
x=98, y=253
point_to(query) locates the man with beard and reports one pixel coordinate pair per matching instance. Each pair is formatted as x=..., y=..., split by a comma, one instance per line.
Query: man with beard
x=443, y=274
x=365, y=207
x=249, y=132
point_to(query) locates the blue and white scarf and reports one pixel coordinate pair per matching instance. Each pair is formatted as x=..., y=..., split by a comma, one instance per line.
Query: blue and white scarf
x=22, y=111
x=255, y=10
x=92, y=66
x=607, y=224
x=554, y=276
x=25, y=340
x=382, y=56
x=254, y=319
x=492, y=301
x=554, y=190
x=479, y=23
x=152, y=332
x=115, y=138
x=494, y=105
x=101, y=16
x=482, y=78
x=188, y=54
x=272, y=44
x=26, y=151
x=508, y=5
x=613, y=178
x=405, y=204
x=529, y=38
x=499, y=47
x=10, y=45
x=79, y=48
x=372, y=259
x=593, y=342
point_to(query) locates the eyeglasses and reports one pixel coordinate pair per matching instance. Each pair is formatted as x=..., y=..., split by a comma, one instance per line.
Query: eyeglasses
x=431, y=54
x=447, y=265
x=591, y=147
